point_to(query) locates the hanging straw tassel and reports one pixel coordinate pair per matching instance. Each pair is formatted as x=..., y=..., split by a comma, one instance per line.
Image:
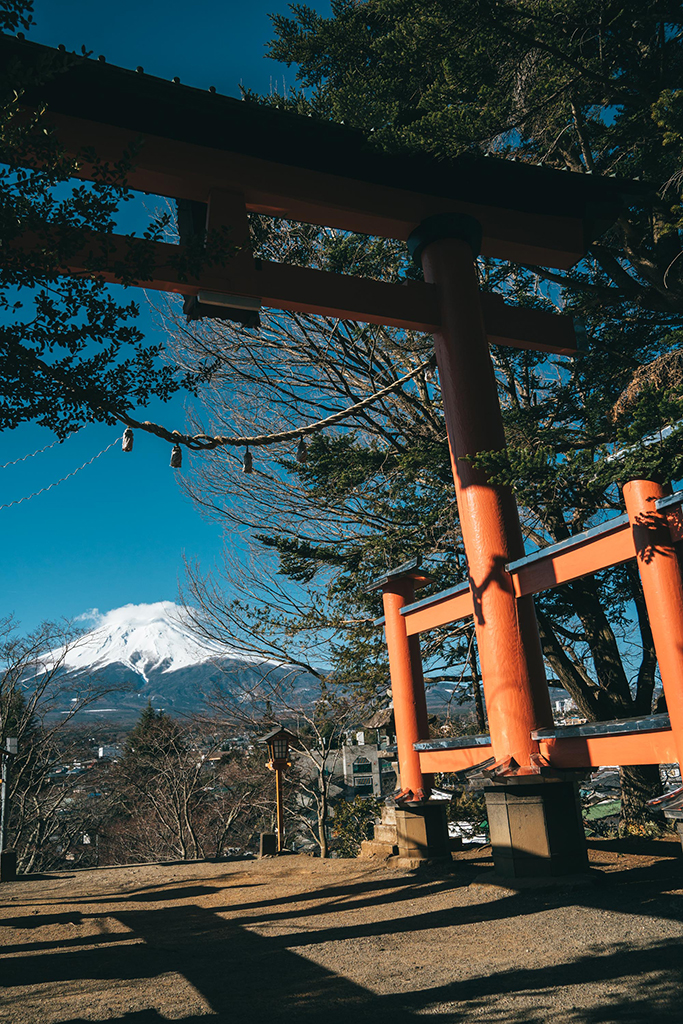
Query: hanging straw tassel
x=127, y=440
x=302, y=451
x=176, y=457
x=248, y=464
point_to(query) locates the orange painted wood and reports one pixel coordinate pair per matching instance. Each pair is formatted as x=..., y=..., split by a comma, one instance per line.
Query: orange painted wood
x=563, y=566
x=184, y=170
x=660, y=574
x=527, y=328
x=278, y=285
x=407, y=685
x=227, y=212
x=508, y=643
x=413, y=306
x=303, y=290
x=449, y=609
x=656, y=747
x=453, y=760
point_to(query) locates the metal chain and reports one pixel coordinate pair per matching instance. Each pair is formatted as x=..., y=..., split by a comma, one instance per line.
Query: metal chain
x=31, y=455
x=43, y=490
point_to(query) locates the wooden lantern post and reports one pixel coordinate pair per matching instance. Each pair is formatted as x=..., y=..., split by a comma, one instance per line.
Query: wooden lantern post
x=278, y=741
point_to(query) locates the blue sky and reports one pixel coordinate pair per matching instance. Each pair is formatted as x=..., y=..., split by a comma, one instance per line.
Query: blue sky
x=116, y=532
x=208, y=42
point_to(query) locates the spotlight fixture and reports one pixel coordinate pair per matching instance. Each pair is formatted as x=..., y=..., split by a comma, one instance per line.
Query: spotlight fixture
x=242, y=309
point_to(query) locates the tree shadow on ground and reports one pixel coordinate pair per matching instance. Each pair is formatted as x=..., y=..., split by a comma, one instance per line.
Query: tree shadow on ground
x=640, y=846
x=243, y=975
x=143, y=892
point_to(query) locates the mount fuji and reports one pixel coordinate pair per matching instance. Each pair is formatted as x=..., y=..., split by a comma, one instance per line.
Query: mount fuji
x=146, y=652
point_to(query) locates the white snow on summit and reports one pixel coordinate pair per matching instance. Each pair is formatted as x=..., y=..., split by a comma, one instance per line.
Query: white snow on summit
x=143, y=637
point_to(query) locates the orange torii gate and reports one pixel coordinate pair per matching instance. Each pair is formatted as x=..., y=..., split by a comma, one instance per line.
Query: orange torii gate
x=228, y=158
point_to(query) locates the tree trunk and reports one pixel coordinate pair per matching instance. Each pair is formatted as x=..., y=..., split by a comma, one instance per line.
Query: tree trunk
x=322, y=836
x=639, y=783
x=476, y=689
x=614, y=695
x=322, y=819
x=572, y=676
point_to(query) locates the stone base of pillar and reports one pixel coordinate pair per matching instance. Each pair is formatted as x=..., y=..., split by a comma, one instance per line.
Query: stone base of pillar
x=8, y=866
x=384, y=843
x=536, y=829
x=422, y=833
x=267, y=844
x=677, y=817
x=679, y=829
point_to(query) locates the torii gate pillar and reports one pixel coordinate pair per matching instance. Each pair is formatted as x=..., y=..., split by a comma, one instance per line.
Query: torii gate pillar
x=662, y=580
x=528, y=834
x=407, y=684
x=509, y=646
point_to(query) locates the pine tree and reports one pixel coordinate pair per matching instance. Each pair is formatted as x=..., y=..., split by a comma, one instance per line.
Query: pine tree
x=153, y=737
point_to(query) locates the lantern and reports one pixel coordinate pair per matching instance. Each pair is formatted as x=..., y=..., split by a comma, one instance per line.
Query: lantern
x=278, y=741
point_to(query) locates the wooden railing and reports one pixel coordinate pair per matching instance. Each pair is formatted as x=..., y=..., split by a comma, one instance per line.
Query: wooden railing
x=602, y=547
x=646, y=740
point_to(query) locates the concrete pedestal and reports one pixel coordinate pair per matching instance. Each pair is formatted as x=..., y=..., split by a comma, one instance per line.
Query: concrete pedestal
x=679, y=828
x=676, y=816
x=384, y=843
x=8, y=866
x=422, y=832
x=267, y=844
x=536, y=829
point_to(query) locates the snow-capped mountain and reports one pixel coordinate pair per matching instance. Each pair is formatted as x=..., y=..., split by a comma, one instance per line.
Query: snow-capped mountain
x=146, y=652
x=144, y=638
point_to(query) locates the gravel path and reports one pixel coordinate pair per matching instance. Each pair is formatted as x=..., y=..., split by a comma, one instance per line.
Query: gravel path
x=344, y=942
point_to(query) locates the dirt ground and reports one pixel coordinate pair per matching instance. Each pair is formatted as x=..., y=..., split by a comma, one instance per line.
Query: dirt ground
x=344, y=942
